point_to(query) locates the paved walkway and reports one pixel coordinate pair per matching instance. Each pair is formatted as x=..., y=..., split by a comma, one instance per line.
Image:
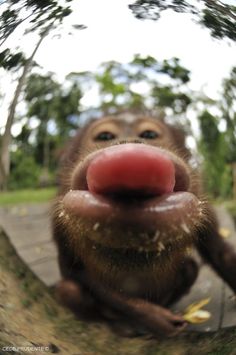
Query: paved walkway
x=28, y=228
x=29, y=231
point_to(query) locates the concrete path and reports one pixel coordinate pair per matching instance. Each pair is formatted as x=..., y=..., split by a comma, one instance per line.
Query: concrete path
x=28, y=228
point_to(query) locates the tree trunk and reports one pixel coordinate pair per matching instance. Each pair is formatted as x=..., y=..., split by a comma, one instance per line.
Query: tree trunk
x=234, y=180
x=46, y=149
x=7, y=138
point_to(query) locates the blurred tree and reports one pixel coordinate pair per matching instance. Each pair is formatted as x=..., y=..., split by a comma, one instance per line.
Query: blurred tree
x=218, y=146
x=143, y=82
x=218, y=17
x=227, y=105
x=55, y=108
x=214, y=148
x=25, y=171
x=41, y=17
x=6, y=138
x=35, y=13
x=11, y=61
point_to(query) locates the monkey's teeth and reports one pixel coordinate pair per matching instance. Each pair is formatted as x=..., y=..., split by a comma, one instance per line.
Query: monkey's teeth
x=96, y=225
x=200, y=213
x=156, y=236
x=61, y=214
x=185, y=228
x=160, y=247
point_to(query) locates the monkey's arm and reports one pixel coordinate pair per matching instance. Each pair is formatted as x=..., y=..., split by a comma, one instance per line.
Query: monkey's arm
x=117, y=308
x=217, y=252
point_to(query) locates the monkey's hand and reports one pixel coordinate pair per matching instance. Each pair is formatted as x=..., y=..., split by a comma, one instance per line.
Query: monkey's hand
x=154, y=318
x=159, y=320
x=121, y=312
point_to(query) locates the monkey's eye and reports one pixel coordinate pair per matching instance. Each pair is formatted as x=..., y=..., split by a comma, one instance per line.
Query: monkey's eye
x=149, y=134
x=105, y=136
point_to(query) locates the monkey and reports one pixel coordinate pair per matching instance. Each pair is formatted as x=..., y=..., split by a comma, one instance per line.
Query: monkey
x=129, y=209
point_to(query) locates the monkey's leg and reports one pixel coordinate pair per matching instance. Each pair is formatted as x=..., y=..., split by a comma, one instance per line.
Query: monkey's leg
x=186, y=276
x=71, y=295
x=158, y=320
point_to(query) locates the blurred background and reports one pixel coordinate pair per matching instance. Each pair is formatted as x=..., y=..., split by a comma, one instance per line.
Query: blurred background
x=63, y=62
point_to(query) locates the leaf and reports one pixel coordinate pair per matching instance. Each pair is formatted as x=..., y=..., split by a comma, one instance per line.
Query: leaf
x=224, y=232
x=197, y=305
x=194, y=314
x=233, y=298
x=197, y=317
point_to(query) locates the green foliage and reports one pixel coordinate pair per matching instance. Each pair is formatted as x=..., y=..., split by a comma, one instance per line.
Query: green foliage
x=214, y=15
x=227, y=106
x=213, y=146
x=165, y=97
x=56, y=108
x=220, y=19
x=42, y=17
x=219, y=147
x=117, y=84
x=40, y=13
x=10, y=61
x=51, y=102
x=27, y=196
x=24, y=171
x=151, y=9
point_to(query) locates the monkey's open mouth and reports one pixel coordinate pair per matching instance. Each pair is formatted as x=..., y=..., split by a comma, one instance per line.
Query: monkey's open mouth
x=137, y=257
x=135, y=185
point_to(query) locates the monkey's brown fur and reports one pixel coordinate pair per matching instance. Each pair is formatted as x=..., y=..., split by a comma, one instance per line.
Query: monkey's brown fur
x=117, y=272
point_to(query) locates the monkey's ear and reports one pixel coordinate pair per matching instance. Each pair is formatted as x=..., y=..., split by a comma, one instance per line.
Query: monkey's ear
x=179, y=138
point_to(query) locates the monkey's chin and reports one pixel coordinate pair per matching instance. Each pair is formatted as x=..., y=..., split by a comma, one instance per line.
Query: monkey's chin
x=171, y=214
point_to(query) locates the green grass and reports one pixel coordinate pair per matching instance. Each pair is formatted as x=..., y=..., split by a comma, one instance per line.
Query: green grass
x=27, y=196
x=230, y=205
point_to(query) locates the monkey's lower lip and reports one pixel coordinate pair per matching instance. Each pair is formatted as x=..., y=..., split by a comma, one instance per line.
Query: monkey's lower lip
x=175, y=209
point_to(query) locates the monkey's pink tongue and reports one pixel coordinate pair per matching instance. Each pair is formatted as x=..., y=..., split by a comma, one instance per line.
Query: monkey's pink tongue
x=131, y=168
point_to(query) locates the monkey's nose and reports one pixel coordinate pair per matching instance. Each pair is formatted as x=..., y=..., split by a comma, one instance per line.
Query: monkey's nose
x=131, y=168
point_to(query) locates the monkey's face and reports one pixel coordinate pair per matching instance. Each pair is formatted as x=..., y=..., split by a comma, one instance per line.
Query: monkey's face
x=129, y=200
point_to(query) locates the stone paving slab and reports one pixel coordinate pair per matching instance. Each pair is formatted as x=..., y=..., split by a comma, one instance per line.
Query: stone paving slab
x=208, y=285
x=28, y=228
x=39, y=252
x=47, y=271
x=229, y=302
